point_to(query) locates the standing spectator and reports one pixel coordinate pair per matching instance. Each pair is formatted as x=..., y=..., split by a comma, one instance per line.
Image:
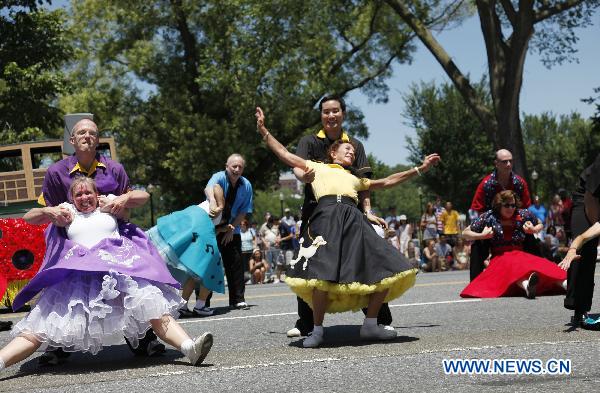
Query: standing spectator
x=539, y=210
x=502, y=178
x=391, y=218
x=438, y=207
x=444, y=252
x=405, y=232
x=286, y=243
x=431, y=259
x=567, y=208
x=269, y=233
x=288, y=218
x=555, y=213
x=461, y=252
x=413, y=254
x=238, y=203
x=248, y=243
x=429, y=224
x=449, y=218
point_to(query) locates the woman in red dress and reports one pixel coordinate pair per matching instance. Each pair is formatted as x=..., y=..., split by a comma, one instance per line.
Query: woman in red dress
x=511, y=272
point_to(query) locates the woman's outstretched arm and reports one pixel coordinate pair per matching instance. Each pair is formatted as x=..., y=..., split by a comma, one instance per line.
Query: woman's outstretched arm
x=280, y=151
x=397, y=178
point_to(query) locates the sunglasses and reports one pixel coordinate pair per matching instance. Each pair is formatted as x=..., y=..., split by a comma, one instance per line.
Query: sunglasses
x=509, y=205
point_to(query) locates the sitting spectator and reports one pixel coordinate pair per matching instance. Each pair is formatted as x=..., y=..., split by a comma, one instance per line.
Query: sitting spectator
x=461, y=253
x=444, y=252
x=550, y=248
x=392, y=238
x=413, y=254
x=430, y=258
x=258, y=267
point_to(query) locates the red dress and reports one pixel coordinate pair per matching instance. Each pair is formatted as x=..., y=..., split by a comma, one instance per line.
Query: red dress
x=509, y=266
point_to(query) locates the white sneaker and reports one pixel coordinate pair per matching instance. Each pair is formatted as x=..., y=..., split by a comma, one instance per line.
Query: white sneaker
x=294, y=332
x=202, y=345
x=313, y=340
x=389, y=327
x=276, y=281
x=377, y=332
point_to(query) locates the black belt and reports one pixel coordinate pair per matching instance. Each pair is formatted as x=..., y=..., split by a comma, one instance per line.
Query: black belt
x=338, y=199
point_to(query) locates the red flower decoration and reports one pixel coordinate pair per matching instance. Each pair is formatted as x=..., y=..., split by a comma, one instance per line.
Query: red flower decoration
x=25, y=240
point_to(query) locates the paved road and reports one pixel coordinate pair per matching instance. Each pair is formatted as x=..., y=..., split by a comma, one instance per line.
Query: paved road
x=252, y=353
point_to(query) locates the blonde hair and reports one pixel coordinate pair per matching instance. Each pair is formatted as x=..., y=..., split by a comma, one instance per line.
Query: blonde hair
x=82, y=180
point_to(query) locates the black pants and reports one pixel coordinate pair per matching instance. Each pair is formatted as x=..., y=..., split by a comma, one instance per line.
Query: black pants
x=231, y=253
x=305, y=322
x=480, y=250
x=580, y=277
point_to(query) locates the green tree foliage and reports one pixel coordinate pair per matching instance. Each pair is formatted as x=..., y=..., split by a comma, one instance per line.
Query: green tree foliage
x=444, y=124
x=509, y=29
x=404, y=197
x=34, y=45
x=559, y=149
x=269, y=201
x=177, y=81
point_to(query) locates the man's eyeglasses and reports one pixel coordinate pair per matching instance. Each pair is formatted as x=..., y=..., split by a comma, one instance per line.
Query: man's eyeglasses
x=91, y=133
x=509, y=205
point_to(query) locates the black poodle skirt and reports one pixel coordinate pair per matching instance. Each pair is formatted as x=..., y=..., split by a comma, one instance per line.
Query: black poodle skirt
x=350, y=261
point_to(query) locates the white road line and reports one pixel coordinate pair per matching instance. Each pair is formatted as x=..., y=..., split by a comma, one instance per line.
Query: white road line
x=183, y=322
x=337, y=359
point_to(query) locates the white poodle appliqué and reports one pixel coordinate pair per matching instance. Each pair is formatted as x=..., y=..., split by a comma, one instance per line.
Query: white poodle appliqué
x=308, y=252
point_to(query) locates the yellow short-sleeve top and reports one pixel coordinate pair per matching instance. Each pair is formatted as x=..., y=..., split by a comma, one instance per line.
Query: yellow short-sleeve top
x=333, y=179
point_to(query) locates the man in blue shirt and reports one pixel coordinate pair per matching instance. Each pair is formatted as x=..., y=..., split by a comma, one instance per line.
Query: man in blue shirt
x=238, y=202
x=538, y=209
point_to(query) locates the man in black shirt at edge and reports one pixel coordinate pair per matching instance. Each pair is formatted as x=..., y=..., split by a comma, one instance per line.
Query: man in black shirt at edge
x=314, y=147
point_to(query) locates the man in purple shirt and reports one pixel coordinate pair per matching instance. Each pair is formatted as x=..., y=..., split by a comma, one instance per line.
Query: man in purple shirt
x=110, y=178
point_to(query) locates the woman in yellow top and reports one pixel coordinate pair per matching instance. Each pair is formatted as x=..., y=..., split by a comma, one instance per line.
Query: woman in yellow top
x=343, y=264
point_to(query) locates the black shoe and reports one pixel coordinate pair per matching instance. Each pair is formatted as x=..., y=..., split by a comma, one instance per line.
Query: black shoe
x=5, y=326
x=155, y=348
x=186, y=313
x=53, y=357
x=532, y=285
x=578, y=319
x=240, y=306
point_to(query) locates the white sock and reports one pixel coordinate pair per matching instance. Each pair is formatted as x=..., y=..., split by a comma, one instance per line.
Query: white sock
x=200, y=303
x=187, y=347
x=564, y=284
x=370, y=322
x=317, y=330
x=525, y=283
x=2, y=365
